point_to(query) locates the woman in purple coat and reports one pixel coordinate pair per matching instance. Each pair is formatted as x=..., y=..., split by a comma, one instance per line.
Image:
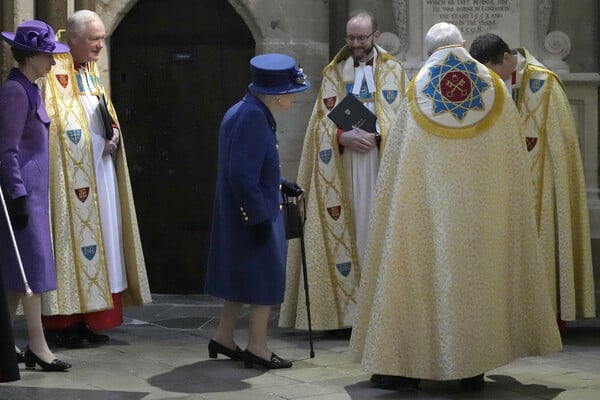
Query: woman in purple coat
x=246, y=260
x=24, y=178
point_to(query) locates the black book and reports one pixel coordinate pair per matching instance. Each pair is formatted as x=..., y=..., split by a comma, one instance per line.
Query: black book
x=106, y=118
x=351, y=112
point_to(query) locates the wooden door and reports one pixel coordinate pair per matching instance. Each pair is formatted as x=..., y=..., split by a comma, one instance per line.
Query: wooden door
x=176, y=66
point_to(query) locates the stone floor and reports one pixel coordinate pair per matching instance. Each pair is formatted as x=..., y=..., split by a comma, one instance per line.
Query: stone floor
x=160, y=352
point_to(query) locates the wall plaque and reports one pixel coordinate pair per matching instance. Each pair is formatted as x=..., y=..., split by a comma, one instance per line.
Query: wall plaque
x=474, y=17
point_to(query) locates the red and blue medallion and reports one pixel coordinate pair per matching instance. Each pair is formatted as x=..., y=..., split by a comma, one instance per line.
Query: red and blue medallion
x=455, y=87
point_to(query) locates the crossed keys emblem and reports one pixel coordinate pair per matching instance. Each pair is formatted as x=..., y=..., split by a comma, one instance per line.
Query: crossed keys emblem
x=456, y=86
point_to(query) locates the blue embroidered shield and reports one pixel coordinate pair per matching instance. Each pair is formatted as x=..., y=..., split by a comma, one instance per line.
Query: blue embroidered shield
x=74, y=135
x=89, y=251
x=390, y=95
x=325, y=155
x=364, y=94
x=92, y=82
x=455, y=87
x=344, y=268
x=536, y=84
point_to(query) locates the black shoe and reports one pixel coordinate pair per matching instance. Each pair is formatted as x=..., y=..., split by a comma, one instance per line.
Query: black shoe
x=68, y=337
x=473, y=383
x=276, y=362
x=215, y=348
x=91, y=336
x=343, y=333
x=393, y=382
x=56, y=365
x=20, y=357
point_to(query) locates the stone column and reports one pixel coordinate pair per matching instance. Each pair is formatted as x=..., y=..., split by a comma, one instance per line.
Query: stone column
x=7, y=22
x=52, y=12
x=85, y=5
x=13, y=13
x=338, y=11
x=303, y=32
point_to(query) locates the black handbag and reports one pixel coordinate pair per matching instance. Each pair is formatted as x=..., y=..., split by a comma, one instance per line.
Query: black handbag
x=292, y=217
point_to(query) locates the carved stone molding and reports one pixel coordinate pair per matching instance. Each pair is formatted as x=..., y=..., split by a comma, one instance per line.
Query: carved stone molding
x=554, y=46
x=400, y=11
x=558, y=46
x=544, y=12
x=391, y=43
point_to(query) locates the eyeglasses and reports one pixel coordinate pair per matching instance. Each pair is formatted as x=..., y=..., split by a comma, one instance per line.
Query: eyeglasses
x=361, y=38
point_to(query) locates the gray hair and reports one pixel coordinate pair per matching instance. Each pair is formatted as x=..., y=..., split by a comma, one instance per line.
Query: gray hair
x=77, y=22
x=442, y=34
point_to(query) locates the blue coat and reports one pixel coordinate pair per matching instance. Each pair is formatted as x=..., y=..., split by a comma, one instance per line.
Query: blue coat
x=241, y=267
x=24, y=170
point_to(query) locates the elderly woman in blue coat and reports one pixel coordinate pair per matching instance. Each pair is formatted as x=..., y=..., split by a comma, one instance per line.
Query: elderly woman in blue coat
x=24, y=175
x=246, y=260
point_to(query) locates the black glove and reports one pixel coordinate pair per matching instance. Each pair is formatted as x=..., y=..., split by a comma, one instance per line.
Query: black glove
x=291, y=189
x=262, y=231
x=19, y=213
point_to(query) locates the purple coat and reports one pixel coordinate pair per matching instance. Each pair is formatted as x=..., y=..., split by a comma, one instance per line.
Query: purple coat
x=24, y=168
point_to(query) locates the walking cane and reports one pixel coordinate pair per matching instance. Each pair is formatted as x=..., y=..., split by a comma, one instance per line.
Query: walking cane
x=294, y=228
x=28, y=291
x=301, y=220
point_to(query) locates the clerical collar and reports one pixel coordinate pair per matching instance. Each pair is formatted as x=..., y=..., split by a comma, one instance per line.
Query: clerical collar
x=79, y=66
x=369, y=62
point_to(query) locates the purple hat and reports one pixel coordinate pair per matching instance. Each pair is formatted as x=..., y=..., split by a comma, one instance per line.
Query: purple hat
x=36, y=37
x=276, y=74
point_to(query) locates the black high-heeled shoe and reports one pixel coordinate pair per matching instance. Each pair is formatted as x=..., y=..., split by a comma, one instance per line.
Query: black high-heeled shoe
x=215, y=348
x=276, y=362
x=20, y=357
x=56, y=365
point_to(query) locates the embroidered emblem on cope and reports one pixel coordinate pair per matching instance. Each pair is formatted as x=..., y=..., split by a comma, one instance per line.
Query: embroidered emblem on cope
x=536, y=84
x=89, y=251
x=344, y=268
x=530, y=142
x=330, y=102
x=325, y=155
x=94, y=84
x=455, y=87
x=390, y=95
x=335, y=212
x=364, y=94
x=74, y=135
x=82, y=193
x=79, y=83
x=63, y=79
